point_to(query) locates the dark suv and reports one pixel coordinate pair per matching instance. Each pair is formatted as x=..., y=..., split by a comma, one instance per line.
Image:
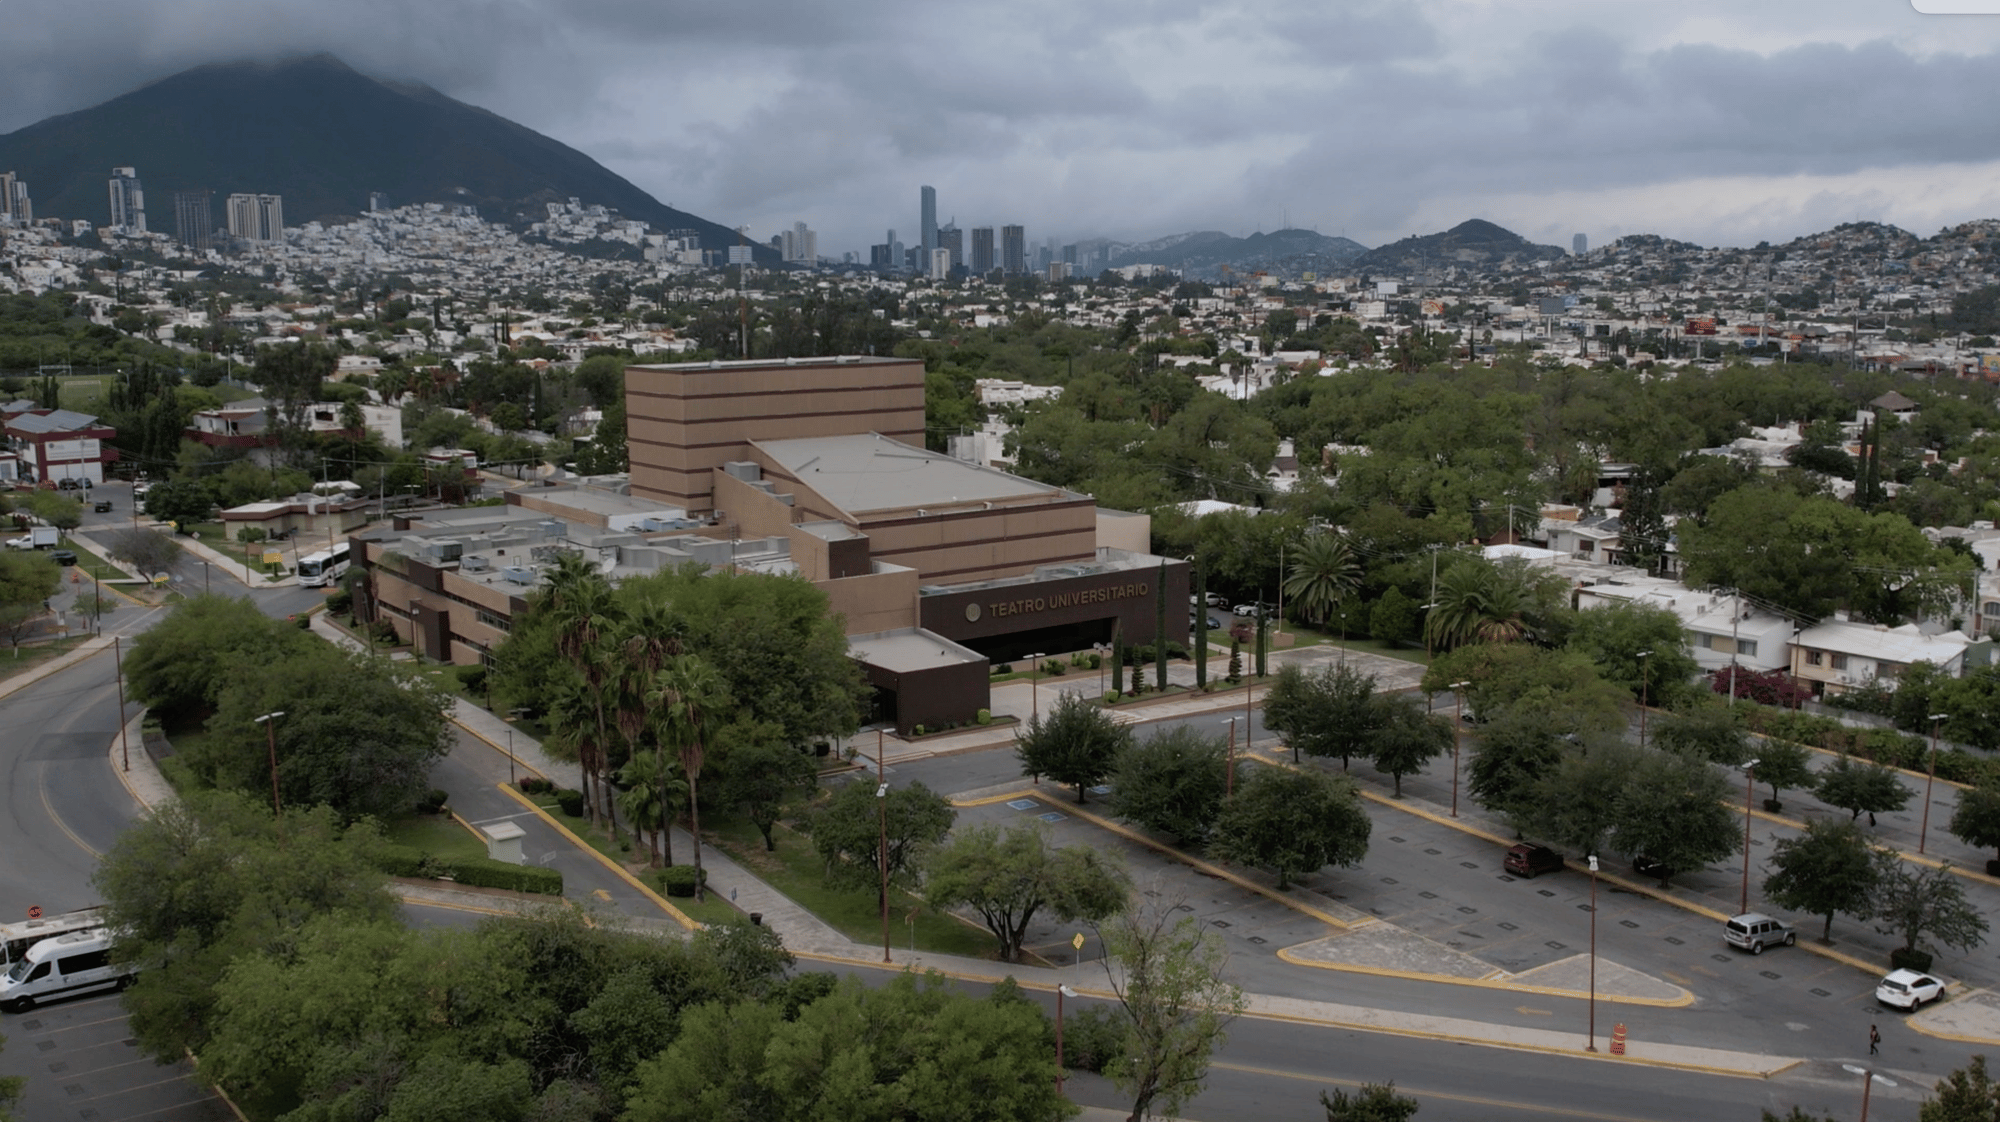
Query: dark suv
x=1532, y=860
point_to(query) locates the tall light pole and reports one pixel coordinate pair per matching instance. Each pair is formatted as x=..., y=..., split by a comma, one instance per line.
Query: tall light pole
x=1930, y=779
x=1062, y=991
x=1229, y=766
x=1868, y=1081
x=1457, y=733
x=1590, y=1044
x=1035, y=687
x=882, y=854
x=124, y=744
x=1103, y=656
x=1645, y=681
x=269, y=721
x=1749, y=783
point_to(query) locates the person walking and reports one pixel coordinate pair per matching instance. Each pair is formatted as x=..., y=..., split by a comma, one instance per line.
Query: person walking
x=1874, y=1040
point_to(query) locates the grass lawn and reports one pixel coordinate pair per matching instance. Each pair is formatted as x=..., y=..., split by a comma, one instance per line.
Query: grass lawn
x=795, y=870
x=91, y=564
x=19, y=659
x=439, y=835
x=636, y=860
x=83, y=392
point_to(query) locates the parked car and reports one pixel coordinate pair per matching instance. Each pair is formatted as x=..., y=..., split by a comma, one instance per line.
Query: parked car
x=64, y=557
x=102, y=506
x=1214, y=624
x=1908, y=990
x=1217, y=600
x=1650, y=867
x=1532, y=860
x=1753, y=931
x=68, y=484
x=1247, y=609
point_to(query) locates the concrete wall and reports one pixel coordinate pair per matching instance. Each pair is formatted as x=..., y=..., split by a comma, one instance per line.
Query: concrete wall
x=684, y=421
x=936, y=695
x=1118, y=529
x=884, y=601
x=975, y=545
x=750, y=511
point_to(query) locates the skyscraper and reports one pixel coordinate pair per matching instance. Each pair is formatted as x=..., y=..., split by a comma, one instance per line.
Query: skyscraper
x=1579, y=245
x=927, y=220
x=256, y=218
x=952, y=238
x=940, y=264
x=128, y=201
x=14, y=199
x=800, y=245
x=982, y=250
x=194, y=220
x=1014, y=250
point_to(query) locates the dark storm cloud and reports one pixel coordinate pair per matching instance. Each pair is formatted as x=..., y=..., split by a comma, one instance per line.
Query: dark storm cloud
x=1136, y=117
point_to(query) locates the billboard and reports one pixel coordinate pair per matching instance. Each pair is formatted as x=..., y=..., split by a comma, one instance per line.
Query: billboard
x=1701, y=325
x=1989, y=367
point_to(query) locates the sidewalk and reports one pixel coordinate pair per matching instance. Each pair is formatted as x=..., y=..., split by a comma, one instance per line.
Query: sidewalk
x=201, y=551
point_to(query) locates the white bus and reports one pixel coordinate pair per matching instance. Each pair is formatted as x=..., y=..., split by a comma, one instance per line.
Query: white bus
x=324, y=567
x=16, y=938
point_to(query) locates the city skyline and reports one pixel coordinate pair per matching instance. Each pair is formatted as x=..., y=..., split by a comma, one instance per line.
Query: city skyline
x=1701, y=121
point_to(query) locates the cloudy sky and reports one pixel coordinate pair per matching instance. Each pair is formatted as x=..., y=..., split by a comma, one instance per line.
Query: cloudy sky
x=1716, y=121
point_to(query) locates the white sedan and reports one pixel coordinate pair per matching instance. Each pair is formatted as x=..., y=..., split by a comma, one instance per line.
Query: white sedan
x=1245, y=610
x=1908, y=990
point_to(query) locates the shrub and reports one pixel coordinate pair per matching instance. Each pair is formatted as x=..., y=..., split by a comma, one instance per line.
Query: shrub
x=484, y=872
x=1112, y=697
x=917, y=731
x=1003, y=668
x=432, y=802
x=1095, y=662
x=473, y=678
x=400, y=860
x=678, y=880
x=1093, y=1038
x=570, y=801
x=1054, y=668
x=339, y=601
x=984, y=717
x=535, y=785
x=303, y=621
x=385, y=632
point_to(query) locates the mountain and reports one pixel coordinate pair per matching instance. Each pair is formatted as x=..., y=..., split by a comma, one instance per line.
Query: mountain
x=1475, y=244
x=323, y=136
x=1204, y=252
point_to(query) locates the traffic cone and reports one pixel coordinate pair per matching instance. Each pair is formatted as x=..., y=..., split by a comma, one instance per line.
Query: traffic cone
x=1618, y=1040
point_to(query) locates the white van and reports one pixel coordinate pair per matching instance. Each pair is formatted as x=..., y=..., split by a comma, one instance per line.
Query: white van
x=16, y=938
x=62, y=966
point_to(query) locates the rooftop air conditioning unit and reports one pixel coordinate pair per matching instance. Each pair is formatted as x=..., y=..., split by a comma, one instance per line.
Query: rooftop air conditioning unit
x=474, y=563
x=518, y=574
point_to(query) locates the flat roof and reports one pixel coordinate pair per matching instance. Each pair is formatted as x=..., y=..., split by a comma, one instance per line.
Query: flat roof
x=903, y=652
x=768, y=363
x=873, y=472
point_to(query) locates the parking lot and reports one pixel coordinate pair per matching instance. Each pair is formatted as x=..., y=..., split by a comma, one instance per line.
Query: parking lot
x=82, y=1064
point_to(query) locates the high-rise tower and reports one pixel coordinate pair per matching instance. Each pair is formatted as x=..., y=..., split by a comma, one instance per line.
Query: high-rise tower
x=1014, y=250
x=128, y=201
x=194, y=220
x=927, y=205
x=982, y=250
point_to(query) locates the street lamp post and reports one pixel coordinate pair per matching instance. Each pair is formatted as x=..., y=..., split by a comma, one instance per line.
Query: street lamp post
x=1645, y=681
x=1035, y=686
x=1591, y=1043
x=1062, y=991
x=1868, y=1081
x=882, y=855
x=1930, y=779
x=1749, y=784
x=1229, y=767
x=124, y=743
x=1457, y=731
x=269, y=721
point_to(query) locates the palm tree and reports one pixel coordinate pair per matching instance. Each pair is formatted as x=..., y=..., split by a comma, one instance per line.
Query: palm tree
x=1478, y=602
x=688, y=690
x=1324, y=573
x=654, y=792
x=651, y=634
x=586, y=614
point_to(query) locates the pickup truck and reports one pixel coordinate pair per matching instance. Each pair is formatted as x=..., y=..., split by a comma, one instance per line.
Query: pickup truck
x=37, y=537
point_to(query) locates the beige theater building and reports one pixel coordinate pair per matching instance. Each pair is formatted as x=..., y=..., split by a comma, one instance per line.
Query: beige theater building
x=817, y=466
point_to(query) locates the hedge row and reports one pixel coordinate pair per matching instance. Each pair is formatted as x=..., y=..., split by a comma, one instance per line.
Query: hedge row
x=1884, y=746
x=480, y=872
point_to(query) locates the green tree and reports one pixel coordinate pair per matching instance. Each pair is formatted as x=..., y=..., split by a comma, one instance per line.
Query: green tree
x=1293, y=821
x=1976, y=821
x=179, y=501
x=1480, y=602
x=1613, y=639
x=180, y=666
x=1705, y=730
x=1375, y=1102
x=1829, y=868
x=1007, y=878
x=213, y=877
x=1327, y=712
x=759, y=777
x=1407, y=736
x=27, y=580
x=1172, y=782
x=508, y=417
x=1076, y=744
x=56, y=509
x=1919, y=903
x=652, y=792
x=1861, y=787
x=1560, y=688
x=1324, y=573
x=149, y=553
x=1575, y=804
x=1784, y=764
x=1968, y=1094
x=1674, y=809
x=11, y=1088
x=1509, y=760
x=847, y=834
x=1176, y=1005
x=1393, y=619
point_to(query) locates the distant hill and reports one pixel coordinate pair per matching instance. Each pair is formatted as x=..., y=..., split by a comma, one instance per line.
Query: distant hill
x=1204, y=252
x=1475, y=244
x=323, y=136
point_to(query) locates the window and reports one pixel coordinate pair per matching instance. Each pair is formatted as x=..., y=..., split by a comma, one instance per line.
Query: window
x=1990, y=608
x=89, y=960
x=1746, y=646
x=1840, y=662
x=1815, y=658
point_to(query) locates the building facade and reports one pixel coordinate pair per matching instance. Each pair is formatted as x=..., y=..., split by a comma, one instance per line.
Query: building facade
x=982, y=250
x=128, y=201
x=1014, y=250
x=194, y=220
x=927, y=220
x=256, y=218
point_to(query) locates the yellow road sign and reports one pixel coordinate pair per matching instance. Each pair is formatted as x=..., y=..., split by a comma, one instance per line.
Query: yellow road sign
x=1078, y=941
